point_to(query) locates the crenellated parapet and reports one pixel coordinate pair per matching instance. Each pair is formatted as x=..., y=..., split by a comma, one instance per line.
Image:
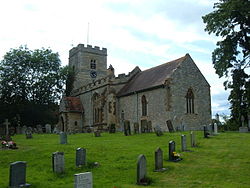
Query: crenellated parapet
x=88, y=49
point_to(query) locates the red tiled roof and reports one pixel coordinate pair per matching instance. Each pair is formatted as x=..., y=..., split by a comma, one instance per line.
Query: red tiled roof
x=73, y=104
x=151, y=78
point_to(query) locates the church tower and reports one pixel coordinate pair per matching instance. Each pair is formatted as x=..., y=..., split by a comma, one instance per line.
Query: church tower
x=89, y=64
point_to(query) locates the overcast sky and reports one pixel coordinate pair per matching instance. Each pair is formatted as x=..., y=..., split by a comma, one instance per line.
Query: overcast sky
x=142, y=33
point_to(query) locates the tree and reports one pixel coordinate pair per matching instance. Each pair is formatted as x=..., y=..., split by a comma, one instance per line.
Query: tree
x=231, y=21
x=30, y=82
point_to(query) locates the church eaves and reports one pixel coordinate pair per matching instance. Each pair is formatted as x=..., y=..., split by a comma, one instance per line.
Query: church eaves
x=151, y=78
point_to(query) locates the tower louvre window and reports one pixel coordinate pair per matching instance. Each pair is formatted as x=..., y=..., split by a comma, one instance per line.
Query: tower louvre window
x=93, y=64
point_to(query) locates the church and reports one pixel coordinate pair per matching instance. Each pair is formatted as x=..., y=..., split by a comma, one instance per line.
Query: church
x=174, y=95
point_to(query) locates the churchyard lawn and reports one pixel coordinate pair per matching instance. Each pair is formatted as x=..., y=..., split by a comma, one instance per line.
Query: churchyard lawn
x=220, y=161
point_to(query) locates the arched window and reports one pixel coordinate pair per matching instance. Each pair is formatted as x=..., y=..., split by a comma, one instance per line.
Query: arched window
x=190, y=101
x=144, y=105
x=92, y=64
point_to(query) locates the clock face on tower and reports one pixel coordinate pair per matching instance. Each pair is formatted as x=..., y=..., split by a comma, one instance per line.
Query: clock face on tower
x=93, y=74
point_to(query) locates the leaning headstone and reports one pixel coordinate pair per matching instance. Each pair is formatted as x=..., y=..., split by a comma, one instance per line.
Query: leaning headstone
x=28, y=133
x=159, y=161
x=48, y=128
x=183, y=143
x=142, y=170
x=18, y=175
x=83, y=180
x=193, y=142
x=63, y=138
x=58, y=162
x=80, y=157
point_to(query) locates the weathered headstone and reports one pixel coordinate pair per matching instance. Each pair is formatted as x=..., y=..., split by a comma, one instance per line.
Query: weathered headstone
x=23, y=129
x=243, y=129
x=142, y=170
x=97, y=133
x=18, y=175
x=39, y=129
x=215, y=129
x=48, y=128
x=127, y=130
x=183, y=143
x=159, y=161
x=28, y=133
x=205, y=132
x=58, y=162
x=83, y=180
x=6, y=123
x=158, y=130
x=173, y=156
x=56, y=131
x=242, y=121
x=136, y=128
x=63, y=138
x=193, y=141
x=80, y=157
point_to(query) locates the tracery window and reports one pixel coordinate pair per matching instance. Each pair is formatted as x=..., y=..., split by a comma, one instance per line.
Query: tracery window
x=93, y=64
x=190, y=101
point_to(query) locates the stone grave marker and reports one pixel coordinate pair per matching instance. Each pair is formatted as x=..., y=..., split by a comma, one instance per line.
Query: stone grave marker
x=63, y=138
x=243, y=128
x=97, y=133
x=80, y=157
x=17, y=176
x=215, y=129
x=159, y=161
x=83, y=180
x=127, y=130
x=28, y=133
x=171, y=152
x=56, y=131
x=142, y=170
x=136, y=128
x=158, y=130
x=193, y=141
x=23, y=129
x=183, y=143
x=58, y=162
x=205, y=132
x=48, y=128
x=7, y=124
x=39, y=129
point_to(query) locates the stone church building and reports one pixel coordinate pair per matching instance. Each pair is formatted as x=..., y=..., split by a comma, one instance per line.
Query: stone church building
x=174, y=95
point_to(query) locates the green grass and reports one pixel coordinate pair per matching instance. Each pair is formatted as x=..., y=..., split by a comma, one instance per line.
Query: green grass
x=220, y=161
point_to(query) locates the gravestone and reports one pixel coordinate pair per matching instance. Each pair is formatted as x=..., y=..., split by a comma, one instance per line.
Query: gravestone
x=183, y=143
x=23, y=129
x=28, y=133
x=17, y=176
x=39, y=129
x=83, y=180
x=80, y=157
x=142, y=170
x=205, y=132
x=170, y=126
x=159, y=161
x=58, y=162
x=171, y=152
x=158, y=130
x=215, y=129
x=136, y=128
x=243, y=129
x=242, y=121
x=127, y=130
x=63, y=138
x=97, y=133
x=56, y=131
x=112, y=128
x=193, y=141
x=48, y=128
x=6, y=123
